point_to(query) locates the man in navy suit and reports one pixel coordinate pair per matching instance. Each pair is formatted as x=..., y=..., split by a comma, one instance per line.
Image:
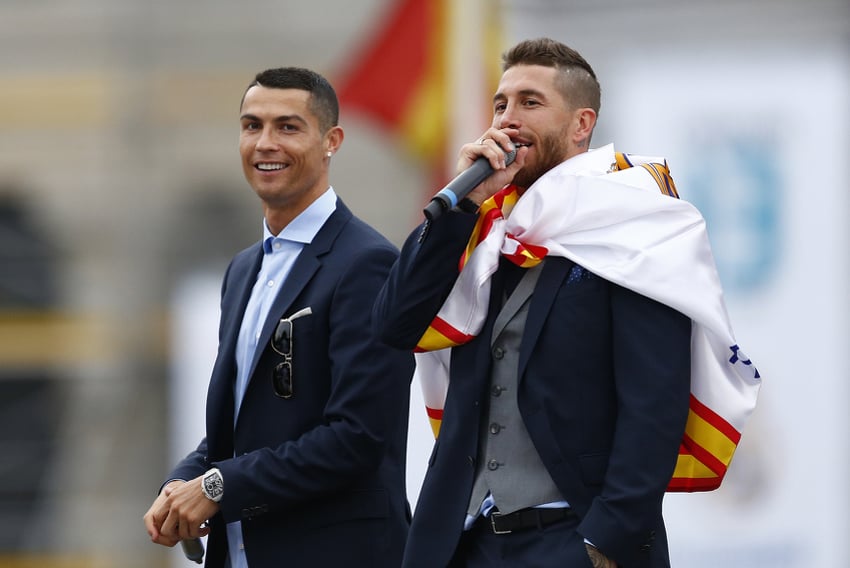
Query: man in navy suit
x=303, y=463
x=564, y=414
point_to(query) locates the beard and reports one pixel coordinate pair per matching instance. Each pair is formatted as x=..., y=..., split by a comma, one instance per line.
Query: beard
x=551, y=150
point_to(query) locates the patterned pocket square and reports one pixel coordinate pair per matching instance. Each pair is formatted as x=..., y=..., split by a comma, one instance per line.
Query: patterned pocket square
x=577, y=274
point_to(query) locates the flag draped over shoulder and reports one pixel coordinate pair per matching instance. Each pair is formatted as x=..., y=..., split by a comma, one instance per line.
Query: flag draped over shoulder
x=604, y=211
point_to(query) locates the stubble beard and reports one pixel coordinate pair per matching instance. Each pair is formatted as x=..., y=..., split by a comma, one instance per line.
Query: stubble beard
x=551, y=150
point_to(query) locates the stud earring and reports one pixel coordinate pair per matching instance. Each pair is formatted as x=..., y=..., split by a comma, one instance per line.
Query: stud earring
x=330, y=153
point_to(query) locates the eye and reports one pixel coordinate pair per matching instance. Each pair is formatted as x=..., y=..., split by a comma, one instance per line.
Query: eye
x=251, y=125
x=530, y=102
x=499, y=107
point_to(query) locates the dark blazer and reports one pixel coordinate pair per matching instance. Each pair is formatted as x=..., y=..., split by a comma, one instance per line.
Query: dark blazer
x=604, y=388
x=319, y=478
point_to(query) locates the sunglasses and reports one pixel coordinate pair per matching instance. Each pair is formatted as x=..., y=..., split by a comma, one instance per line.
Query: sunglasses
x=282, y=345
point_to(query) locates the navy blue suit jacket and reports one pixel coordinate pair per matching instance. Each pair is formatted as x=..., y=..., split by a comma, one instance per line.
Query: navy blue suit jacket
x=604, y=387
x=319, y=478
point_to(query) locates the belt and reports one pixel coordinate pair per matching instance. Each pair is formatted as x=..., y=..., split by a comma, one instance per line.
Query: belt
x=523, y=519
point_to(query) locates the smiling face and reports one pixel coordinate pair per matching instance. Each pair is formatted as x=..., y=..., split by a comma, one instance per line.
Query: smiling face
x=284, y=151
x=529, y=100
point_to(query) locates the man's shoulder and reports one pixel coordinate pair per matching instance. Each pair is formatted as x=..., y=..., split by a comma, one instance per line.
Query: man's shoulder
x=358, y=240
x=248, y=254
x=369, y=232
x=356, y=232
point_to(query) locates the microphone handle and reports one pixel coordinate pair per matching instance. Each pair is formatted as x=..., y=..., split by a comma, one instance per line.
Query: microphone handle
x=462, y=185
x=193, y=549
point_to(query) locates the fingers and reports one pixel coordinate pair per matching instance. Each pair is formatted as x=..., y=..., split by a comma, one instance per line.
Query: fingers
x=151, y=526
x=189, y=530
x=155, y=515
x=185, y=510
x=171, y=519
x=498, y=138
x=598, y=559
x=154, y=529
x=170, y=527
x=493, y=145
x=171, y=486
x=179, y=526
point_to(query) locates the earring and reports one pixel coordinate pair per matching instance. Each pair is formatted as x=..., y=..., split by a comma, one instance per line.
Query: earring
x=330, y=153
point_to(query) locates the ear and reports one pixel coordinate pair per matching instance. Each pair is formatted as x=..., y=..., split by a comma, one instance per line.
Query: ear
x=584, y=121
x=333, y=139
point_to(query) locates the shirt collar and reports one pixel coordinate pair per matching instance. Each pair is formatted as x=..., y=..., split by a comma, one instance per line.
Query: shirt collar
x=306, y=225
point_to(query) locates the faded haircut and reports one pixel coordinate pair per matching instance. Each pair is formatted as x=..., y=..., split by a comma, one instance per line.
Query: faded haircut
x=323, y=101
x=576, y=79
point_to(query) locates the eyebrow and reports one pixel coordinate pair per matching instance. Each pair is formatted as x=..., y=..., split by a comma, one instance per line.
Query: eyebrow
x=522, y=93
x=279, y=119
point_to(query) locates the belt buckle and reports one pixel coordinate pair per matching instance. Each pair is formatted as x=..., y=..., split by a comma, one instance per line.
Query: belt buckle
x=493, y=516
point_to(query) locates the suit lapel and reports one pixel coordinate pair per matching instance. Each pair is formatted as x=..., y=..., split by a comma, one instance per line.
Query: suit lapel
x=240, y=283
x=306, y=265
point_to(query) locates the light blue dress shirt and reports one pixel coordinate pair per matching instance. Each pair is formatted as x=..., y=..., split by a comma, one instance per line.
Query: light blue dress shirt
x=279, y=254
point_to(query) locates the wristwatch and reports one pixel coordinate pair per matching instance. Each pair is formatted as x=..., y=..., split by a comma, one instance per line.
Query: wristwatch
x=212, y=485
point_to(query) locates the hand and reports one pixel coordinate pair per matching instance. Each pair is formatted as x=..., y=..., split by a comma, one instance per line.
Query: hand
x=598, y=559
x=188, y=510
x=492, y=145
x=157, y=514
x=179, y=513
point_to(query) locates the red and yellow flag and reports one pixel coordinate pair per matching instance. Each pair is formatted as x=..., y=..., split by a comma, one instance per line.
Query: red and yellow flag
x=724, y=384
x=413, y=75
x=706, y=450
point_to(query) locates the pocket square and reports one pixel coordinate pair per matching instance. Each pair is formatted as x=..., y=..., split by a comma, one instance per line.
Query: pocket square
x=577, y=273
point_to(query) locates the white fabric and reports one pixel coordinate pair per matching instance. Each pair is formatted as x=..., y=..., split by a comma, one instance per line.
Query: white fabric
x=618, y=225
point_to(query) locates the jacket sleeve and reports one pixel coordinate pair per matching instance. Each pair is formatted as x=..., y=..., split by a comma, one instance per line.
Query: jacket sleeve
x=421, y=279
x=193, y=465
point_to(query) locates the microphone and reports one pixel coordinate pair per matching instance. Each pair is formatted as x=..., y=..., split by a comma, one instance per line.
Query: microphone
x=193, y=549
x=458, y=188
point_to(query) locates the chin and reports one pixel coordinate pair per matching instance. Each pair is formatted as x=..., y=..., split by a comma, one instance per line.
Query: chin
x=524, y=178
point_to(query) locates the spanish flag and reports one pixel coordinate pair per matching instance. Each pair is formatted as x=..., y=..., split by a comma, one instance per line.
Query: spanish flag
x=617, y=225
x=427, y=75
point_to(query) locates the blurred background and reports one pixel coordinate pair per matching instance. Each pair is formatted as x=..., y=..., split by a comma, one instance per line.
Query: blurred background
x=122, y=200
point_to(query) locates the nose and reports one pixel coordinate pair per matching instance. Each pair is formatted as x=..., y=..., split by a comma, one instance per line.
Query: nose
x=509, y=118
x=266, y=140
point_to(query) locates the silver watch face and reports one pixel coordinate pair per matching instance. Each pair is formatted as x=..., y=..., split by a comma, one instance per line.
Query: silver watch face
x=213, y=485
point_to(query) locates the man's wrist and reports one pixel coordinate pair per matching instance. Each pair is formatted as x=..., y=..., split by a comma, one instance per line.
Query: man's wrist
x=212, y=484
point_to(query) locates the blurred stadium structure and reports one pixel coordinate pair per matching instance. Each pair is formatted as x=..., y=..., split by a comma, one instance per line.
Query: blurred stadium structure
x=119, y=179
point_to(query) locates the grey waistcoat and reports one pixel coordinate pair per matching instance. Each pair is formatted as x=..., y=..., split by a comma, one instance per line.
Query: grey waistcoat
x=508, y=465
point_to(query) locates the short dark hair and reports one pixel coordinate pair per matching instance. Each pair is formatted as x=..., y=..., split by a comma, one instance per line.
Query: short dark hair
x=323, y=101
x=577, y=81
